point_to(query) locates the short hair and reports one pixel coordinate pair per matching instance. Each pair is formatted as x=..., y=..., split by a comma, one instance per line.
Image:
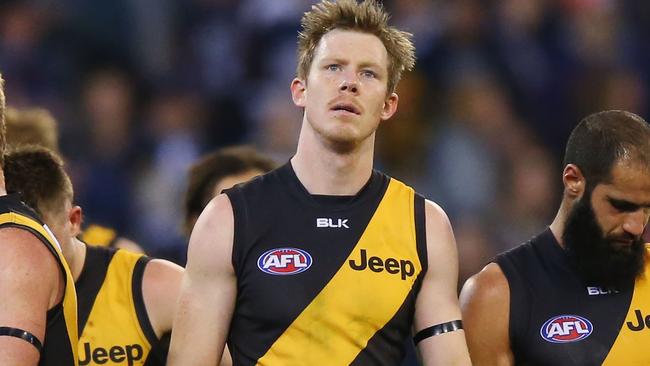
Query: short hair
x=38, y=175
x=31, y=126
x=211, y=169
x=2, y=121
x=605, y=138
x=367, y=17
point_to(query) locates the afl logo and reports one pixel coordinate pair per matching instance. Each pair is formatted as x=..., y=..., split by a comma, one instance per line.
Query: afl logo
x=284, y=261
x=566, y=328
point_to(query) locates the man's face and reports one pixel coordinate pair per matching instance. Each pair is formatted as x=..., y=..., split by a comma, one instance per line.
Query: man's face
x=603, y=232
x=345, y=95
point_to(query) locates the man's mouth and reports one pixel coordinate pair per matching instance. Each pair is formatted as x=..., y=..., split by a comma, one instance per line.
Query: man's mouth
x=346, y=107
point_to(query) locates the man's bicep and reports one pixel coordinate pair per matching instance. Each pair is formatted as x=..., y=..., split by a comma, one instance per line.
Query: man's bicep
x=208, y=289
x=485, y=306
x=28, y=275
x=437, y=301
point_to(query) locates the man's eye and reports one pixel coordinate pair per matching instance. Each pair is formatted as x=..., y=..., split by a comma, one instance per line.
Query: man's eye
x=369, y=74
x=624, y=206
x=334, y=67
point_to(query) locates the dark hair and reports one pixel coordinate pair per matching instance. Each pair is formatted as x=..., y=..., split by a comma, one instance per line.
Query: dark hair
x=211, y=169
x=605, y=138
x=38, y=175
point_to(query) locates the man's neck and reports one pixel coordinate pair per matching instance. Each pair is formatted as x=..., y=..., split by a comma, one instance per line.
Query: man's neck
x=321, y=170
x=76, y=257
x=559, y=222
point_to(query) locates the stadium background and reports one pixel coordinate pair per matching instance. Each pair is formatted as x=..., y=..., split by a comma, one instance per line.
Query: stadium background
x=142, y=87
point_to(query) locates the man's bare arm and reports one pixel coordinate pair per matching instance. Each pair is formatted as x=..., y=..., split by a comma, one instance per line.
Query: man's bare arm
x=485, y=303
x=29, y=284
x=208, y=289
x=437, y=301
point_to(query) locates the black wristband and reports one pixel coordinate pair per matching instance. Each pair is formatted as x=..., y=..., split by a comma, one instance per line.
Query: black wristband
x=22, y=334
x=438, y=329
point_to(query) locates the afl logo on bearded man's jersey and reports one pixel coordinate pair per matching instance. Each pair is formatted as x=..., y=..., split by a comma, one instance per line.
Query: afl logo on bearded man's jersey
x=566, y=328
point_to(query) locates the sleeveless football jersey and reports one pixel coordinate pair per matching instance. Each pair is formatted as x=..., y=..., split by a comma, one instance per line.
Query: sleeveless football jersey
x=113, y=324
x=324, y=280
x=556, y=319
x=59, y=345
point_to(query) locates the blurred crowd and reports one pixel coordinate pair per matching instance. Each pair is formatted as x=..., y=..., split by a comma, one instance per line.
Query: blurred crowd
x=141, y=88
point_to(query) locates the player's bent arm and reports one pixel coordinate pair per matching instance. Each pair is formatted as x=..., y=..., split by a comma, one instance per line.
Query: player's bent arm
x=208, y=289
x=161, y=285
x=437, y=302
x=30, y=284
x=485, y=303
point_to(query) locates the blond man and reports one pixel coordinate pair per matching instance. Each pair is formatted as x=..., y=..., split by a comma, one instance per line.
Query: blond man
x=325, y=261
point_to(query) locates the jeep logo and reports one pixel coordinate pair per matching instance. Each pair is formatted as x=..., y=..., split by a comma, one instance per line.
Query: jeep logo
x=117, y=354
x=641, y=321
x=391, y=265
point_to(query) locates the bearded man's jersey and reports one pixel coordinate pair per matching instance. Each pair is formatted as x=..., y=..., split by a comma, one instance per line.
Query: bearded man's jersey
x=556, y=319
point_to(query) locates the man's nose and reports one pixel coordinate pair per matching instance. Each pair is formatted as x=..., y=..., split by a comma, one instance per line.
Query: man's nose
x=635, y=223
x=349, y=84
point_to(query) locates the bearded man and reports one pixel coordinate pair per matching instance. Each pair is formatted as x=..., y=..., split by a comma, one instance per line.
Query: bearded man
x=578, y=293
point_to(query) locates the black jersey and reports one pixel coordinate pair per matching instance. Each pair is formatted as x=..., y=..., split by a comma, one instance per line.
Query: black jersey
x=60, y=343
x=324, y=280
x=556, y=319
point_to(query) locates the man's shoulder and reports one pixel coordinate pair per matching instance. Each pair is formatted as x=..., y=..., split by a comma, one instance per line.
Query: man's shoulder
x=487, y=286
x=522, y=252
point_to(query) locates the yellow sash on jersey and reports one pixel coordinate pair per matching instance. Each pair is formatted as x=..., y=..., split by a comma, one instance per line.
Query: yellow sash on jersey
x=354, y=305
x=112, y=334
x=631, y=347
x=70, y=296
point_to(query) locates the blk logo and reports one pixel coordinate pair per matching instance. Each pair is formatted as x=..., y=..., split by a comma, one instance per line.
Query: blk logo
x=391, y=265
x=117, y=354
x=594, y=291
x=566, y=328
x=641, y=321
x=330, y=223
x=284, y=261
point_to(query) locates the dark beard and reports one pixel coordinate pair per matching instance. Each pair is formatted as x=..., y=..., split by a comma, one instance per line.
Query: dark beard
x=596, y=257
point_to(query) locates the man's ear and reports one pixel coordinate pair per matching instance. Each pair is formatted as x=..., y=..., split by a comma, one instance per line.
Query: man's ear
x=390, y=106
x=299, y=92
x=75, y=216
x=574, y=181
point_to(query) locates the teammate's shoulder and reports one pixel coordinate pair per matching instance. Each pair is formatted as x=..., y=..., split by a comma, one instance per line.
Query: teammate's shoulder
x=489, y=284
x=25, y=250
x=162, y=275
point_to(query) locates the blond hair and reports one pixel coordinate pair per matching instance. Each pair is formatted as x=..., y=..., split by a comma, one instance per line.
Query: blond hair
x=367, y=16
x=31, y=126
